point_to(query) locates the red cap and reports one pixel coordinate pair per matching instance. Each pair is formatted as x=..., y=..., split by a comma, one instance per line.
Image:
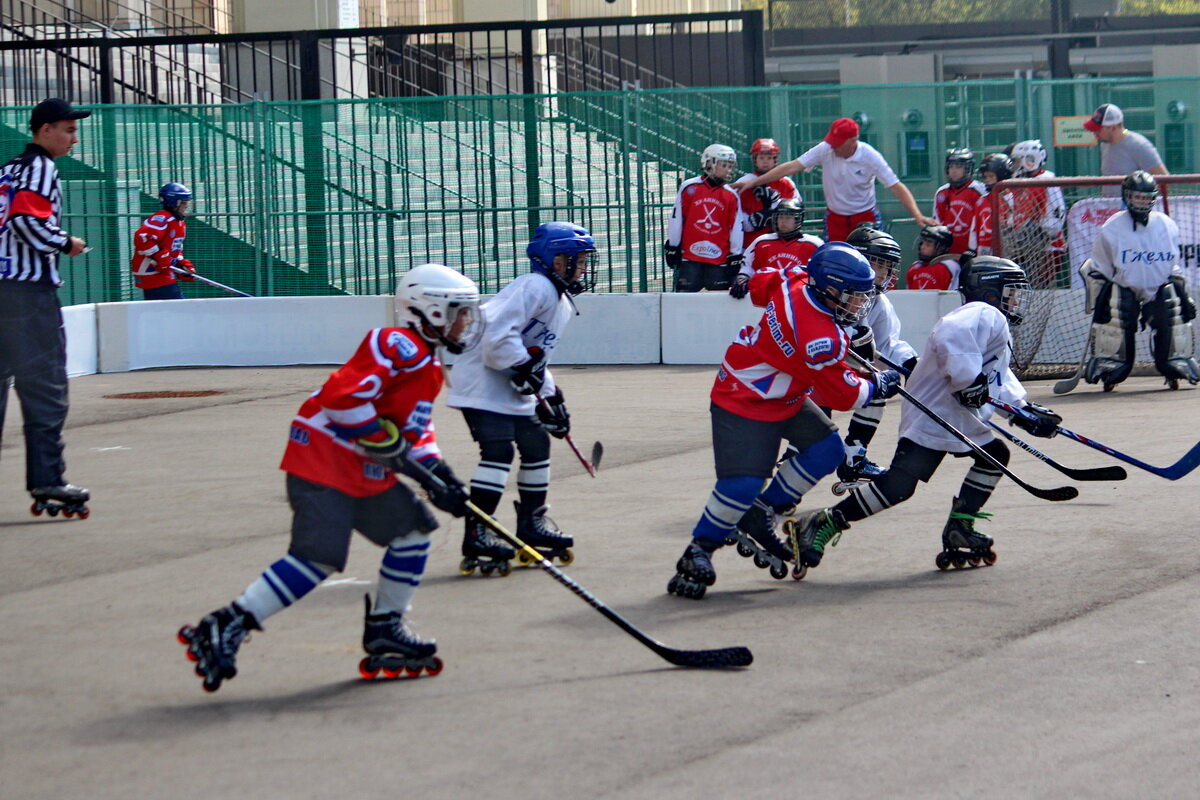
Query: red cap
x=841, y=131
x=1107, y=114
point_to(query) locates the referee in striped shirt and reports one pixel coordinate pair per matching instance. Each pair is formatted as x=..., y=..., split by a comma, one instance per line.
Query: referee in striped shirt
x=33, y=353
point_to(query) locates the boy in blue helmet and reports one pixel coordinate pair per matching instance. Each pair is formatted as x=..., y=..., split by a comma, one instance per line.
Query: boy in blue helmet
x=158, y=246
x=509, y=399
x=761, y=397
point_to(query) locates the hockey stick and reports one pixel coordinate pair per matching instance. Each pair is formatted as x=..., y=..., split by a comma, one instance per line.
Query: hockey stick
x=1095, y=474
x=210, y=282
x=1190, y=460
x=721, y=658
x=1069, y=384
x=1057, y=494
x=597, y=448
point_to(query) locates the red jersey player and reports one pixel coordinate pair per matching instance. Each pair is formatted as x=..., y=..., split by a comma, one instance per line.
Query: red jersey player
x=994, y=168
x=758, y=202
x=704, y=236
x=955, y=202
x=787, y=247
x=1038, y=216
x=370, y=420
x=935, y=267
x=761, y=397
x=158, y=246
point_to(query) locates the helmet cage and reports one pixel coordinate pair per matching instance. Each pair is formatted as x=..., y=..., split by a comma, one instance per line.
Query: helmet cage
x=793, y=208
x=963, y=158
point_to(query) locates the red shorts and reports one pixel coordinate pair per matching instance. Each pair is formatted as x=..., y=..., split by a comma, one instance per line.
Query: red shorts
x=838, y=226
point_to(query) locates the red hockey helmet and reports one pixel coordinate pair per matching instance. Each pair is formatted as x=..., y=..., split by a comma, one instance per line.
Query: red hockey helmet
x=768, y=146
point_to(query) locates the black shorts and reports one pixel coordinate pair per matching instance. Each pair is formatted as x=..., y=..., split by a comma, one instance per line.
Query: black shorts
x=743, y=446
x=323, y=519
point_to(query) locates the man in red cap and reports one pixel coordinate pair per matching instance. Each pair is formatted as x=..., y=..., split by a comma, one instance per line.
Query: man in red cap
x=848, y=174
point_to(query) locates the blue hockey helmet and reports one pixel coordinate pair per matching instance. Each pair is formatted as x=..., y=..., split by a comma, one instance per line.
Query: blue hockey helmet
x=172, y=194
x=843, y=279
x=574, y=243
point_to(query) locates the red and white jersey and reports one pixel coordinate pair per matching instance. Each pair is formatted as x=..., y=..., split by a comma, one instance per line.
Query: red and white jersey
x=941, y=273
x=1042, y=206
x=707, y=222
x=796, y=348
x=982, y=227
x=751, y=204
x=393, y=375
x=956, y=208
x=156, y=246
x=773, y=252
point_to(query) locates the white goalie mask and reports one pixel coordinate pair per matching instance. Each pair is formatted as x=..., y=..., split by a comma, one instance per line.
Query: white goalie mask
x=441, y=304
x=1028, y=157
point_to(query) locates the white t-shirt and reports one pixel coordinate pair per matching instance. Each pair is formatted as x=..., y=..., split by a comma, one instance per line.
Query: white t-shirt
x=1140, y=259
x=527, y=313
x=970, y=340
x=849, y=183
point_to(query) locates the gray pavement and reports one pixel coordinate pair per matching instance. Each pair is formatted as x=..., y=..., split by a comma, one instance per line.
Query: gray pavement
x=1071, y=668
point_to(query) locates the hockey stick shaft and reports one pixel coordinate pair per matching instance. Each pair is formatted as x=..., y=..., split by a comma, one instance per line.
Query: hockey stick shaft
x=1057, y=494
x=1096, y=474
x=210, y=282
x=1189, y=461
x=588, y=465
x=709, y=659
x=1068, y=384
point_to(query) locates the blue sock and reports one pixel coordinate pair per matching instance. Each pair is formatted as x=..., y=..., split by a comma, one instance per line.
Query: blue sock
x=802, y=472
x=729, y=500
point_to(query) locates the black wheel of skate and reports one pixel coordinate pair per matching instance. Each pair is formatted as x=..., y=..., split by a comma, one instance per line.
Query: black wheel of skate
x=799, y=571
x=942, y=561
x=367, y=671
x=673, y=585
x=504, y=568
x=486, y=569
x=567, y=557
x=434, y=667
x=52, y=511
x=959, y=560
x=989, y=557
x=697, y=591
x=465, y=567
x=199, y=670
x=1173, y=384
x=744, y=549
x=761, y=561
x=1108, y=387
x=779, y=571
x=212, y=684
x=974, y=560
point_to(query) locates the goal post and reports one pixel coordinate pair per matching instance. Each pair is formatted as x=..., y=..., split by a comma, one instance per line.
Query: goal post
x=1048, y=226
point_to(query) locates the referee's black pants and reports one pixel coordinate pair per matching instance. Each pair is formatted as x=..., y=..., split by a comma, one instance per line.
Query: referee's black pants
x=33, y=357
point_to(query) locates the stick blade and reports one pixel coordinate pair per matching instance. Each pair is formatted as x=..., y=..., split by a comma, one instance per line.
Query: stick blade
x=1056, y=495
x=597, y=454
x=722, y=658
x=1067, y=385
x=1097, y=474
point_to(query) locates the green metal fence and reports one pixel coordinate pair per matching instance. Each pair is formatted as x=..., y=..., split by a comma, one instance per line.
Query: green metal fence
x=343, y=196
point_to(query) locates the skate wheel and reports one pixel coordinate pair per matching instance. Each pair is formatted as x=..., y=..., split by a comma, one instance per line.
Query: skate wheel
x=1108, y=387
x=673, y=585
x=486, y=569
x=840, y=489
x=367, y=671
x=959, y=560
x=975, y=560
x=434, y=666
x=33, y=509
x=799, y=571
x=52, y=511
x=523, y=558
x=392, y=674
x=68, y=513
x=211, y=684
x=185, y=634
x=989, y=557
x=465, y=567
x=566, y=558
x=412, y=670
x=744, y=550
x=760, y=561
x=83, y=513
x=942, y=561
x=504, y=569
x=779, y=571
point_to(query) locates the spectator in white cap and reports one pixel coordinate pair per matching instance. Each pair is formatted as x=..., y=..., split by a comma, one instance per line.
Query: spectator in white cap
x=1121, y=151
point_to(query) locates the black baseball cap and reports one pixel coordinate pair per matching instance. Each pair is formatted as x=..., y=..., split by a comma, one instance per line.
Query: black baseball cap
x=54, y=110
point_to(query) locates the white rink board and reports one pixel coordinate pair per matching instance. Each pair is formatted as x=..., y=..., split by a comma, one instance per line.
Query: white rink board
x=79, y=322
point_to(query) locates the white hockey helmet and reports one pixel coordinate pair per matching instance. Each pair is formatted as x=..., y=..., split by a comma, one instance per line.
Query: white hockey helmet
x=716, y=153
x=441, y=304
x=1028, y=157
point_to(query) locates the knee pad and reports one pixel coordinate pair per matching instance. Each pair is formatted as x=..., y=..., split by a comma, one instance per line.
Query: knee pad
x=1114, y=323
x=1173, y=344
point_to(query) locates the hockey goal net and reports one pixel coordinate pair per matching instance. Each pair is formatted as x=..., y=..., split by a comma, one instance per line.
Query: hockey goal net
x=1051, y=340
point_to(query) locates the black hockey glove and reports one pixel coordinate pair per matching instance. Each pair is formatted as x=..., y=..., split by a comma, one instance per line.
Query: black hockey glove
x=1037, y=420
x=734, y=261
x=964, y=261
x=552, y=413
x=758, y=220
x=530, y=377
x=673, y=255
x=975, y=395
x=740, y=287
x=908, y=366
x=767, y=196
x=447, y=492
x=887, y=383
x=862, y=342
x=391, y=450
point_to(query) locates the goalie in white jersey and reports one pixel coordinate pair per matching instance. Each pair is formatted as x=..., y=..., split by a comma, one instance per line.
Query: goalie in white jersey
x=964, y=364
x=1133, y=279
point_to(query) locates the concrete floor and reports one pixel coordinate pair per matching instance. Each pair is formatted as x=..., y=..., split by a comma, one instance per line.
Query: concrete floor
x=1071, y=668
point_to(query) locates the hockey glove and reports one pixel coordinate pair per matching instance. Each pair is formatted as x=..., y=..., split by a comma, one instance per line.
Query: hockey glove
x=447, y=493
x=183, y=263
x=975, y=395
x=887, y=383
x=741, y=285
x=673, y=255
x=552, y=413
x=734, y=261
x=1037, y=420
x=758, y=220
x=862, y=342
x=908, y=366
x=387, y=446
x=964, y=261
x=530, y=377
x=767, y=196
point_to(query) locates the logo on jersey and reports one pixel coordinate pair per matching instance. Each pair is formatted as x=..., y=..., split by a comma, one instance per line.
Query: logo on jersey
x=419, y=419
x=705, y=249
x=1146, y=256
x=405, y=347
x=777, y=330
x=298, y=435
x=850, y=378
x=707, y=223
x=819, y=347
x=373, y=471
x=6, y=196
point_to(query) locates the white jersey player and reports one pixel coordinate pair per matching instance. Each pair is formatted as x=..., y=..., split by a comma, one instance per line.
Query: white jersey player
x=1134, y=277
x=965, y=362
x=508, y=396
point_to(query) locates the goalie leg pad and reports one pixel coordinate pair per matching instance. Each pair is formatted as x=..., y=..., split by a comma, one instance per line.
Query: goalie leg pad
x=1172, y=344
x=1114, y=323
